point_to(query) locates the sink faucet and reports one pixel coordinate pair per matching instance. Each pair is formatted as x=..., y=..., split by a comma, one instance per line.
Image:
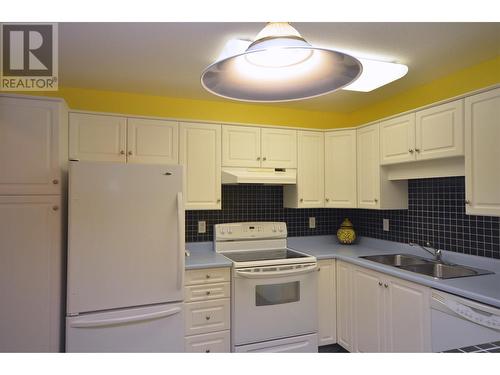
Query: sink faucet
x=435, y=252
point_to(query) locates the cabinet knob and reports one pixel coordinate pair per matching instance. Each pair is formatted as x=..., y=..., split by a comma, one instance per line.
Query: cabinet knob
x=258, y=157
x=264, y=158
x=207, y=317
x=380, y=283
x=375, y=200
x=208, y=293
x=218, y=200
x=208, y=276
x=55, y=208
x=122, y=152
x=417, y=150
x=327, y=199
x=319, y=269
x=301, y=199
x=386, y=286
x=467, y=201
x=410, y=151
x=207, y=351
x=55, y=181
x=130, y=153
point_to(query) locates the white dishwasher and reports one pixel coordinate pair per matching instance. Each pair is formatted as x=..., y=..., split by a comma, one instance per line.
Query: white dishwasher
x=458, y=322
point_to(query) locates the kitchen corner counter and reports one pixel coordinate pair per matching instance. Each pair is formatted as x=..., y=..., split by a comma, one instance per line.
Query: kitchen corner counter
x=204, y=256
x=485, y=288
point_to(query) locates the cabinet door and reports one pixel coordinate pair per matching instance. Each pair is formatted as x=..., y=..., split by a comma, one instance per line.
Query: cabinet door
x=30, y=273
x=340, y=169
x=397, y=139
x=200, y=153
x=368, y=171
x=240, y=146
x=482, y=153
x=152, y=141
x=408, y=316
x=368, y=311
x=97, y=137
x=279, y=148
x=327, y=303
x=344, y=305
x=310, y=171
x=29, y=147
x=440, y=131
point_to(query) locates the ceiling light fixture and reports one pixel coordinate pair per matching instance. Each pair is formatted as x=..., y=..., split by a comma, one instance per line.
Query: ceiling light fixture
x=279, y=66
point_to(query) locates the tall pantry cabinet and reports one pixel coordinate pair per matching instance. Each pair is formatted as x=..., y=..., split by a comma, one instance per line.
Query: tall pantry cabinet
x=33, y=156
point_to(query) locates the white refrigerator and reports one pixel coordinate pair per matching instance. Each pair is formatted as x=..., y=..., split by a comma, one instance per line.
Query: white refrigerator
x=125, y=258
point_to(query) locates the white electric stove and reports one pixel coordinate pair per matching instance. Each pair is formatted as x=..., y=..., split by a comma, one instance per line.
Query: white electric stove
x=274, y=289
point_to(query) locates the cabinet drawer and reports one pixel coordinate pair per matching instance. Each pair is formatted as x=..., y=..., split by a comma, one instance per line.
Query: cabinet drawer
x=205, y=292
x=207, y=316
x=207, y=276
x=217, y=342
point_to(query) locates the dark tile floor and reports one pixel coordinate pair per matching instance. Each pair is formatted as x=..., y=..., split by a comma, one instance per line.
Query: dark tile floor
x=334, y=348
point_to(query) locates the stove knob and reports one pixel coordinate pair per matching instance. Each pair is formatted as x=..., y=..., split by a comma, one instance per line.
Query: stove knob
x=221, y=230
x=274, y=229
x=281, y=228
x=229, y=230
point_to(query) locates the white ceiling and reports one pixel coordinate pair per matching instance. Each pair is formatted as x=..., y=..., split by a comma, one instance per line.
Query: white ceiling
x=167, y=58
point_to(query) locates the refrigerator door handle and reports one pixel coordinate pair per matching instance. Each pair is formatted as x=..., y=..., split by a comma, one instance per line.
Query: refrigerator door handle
x=128, y=319
x=181, y=251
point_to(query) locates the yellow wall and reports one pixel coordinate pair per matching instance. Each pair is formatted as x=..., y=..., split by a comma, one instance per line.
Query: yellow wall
x=459, y=82
x=472, y=78
x=225, y=111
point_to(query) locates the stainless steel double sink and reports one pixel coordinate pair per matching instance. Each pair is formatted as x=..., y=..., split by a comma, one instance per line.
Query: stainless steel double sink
x=428, y=267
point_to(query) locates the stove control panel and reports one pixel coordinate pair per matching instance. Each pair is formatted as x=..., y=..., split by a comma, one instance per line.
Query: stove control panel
x=250, y=230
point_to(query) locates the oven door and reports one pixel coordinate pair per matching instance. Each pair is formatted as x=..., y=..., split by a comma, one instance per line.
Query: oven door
x=274, y=302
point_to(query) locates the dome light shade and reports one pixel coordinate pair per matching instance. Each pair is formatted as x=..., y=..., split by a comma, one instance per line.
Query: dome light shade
x=280, y=66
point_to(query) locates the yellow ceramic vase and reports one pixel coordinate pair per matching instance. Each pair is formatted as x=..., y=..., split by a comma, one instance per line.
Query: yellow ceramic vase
x=346, y=233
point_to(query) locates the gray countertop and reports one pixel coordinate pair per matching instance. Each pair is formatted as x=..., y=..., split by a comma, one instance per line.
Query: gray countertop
x=485, y=288
x=202, y=255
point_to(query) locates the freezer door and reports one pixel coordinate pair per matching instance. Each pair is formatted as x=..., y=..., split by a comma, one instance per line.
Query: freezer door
x=126, y=235
x=156, y=329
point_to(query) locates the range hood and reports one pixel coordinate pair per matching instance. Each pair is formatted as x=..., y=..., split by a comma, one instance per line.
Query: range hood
x=274, y=176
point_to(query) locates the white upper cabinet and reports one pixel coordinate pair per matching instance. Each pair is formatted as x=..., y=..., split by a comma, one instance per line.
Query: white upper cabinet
x=250, y=146
x=279, y=148
x=97, y=137
x=327, y=302
x=33, y=142
x=340, y=169
x=482, y=153
x=200, y=153
x=240, y=146
x=309, y=191
x=374, y=188
x=440, y=131
x=152, y=141
x=368, y=171
x=433, y=133
x=397, y=139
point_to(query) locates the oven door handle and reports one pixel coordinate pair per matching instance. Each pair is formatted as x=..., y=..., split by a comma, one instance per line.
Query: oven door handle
x=278, y=273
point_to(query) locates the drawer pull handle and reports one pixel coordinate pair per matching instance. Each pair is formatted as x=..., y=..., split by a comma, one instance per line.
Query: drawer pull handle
x=207, y=317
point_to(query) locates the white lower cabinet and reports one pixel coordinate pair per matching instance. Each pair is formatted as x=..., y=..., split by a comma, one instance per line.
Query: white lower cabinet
x=388, y=314
x=344, y=305
x=207, y=310
x=327, y=303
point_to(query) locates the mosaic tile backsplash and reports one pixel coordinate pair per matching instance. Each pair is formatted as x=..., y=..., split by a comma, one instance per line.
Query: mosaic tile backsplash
x=436, y=213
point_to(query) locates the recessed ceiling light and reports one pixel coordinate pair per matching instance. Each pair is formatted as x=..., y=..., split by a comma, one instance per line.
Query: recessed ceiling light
x=279, y=66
